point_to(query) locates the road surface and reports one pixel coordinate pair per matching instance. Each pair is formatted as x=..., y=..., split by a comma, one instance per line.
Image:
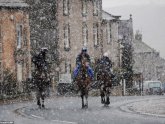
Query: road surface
x=67, y=110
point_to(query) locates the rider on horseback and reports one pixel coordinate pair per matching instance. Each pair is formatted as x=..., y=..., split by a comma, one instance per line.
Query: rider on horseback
x=79, y=58
x=40, y=76
x=106, y=62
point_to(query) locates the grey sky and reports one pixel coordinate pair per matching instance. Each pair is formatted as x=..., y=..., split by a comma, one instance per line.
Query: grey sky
x=148, y=17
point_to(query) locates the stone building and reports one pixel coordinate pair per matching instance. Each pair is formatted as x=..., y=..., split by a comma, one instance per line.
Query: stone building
x=65, y=26
x=79, y=24
x=110, y=34
x=14, y=41
x=43, y=29
x=147, y=60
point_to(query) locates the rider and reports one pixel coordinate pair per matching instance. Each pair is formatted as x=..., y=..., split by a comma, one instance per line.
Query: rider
x=78, y=63
x=106, y=61
x=40, y=59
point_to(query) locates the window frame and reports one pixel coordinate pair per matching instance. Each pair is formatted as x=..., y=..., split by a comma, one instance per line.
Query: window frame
x=19, y=35
x=85, y=34
x=84, y=8
x=96, y=7
x=108, y=33
x=66, y=7
x=67, y=45
x=95, y=35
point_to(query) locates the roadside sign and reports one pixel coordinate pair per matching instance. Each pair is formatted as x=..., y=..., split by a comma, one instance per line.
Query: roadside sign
x=65, y=78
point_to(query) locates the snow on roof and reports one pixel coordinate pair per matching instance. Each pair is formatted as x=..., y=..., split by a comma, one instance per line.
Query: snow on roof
x=13, y=3
x=108, y=16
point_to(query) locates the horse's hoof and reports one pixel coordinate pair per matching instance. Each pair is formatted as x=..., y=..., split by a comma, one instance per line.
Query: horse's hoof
x=102, y=101
x=43, y=106
x=85, y=107
x=106, y=105
x=39, y=107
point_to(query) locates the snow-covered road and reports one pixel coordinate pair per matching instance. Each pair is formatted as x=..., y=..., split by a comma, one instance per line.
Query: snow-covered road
x=67, y=110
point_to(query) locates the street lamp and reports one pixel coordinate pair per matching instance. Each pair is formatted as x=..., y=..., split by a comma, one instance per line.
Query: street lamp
x=120, y=51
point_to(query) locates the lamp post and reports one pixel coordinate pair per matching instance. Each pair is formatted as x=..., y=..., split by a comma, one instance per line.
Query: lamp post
x=120, y=50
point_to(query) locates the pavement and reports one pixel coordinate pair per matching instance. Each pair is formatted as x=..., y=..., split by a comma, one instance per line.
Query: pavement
x=152, y=107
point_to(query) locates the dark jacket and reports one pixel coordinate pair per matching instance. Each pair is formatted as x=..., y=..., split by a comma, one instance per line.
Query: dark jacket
x=106, y=61
x=40, y=61
x=79, y=58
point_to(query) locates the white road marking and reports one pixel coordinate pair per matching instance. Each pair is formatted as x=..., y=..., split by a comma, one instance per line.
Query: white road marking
x=66, y=122
x=37, y=116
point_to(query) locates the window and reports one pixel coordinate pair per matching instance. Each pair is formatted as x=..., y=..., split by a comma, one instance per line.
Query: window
x=0, y=34
x=66, y=37
x=96, y=7
x=19, y=36
x=19, y=72
x=84, y=7
x=1, y=71
x=95, y=34
x=108, y=33
x=66, y=7
x=67, y=67
x=85, y=34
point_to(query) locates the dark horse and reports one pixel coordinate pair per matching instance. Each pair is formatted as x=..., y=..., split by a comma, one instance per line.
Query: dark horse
x=83, y=81
x=105, y=83
x=41, y=80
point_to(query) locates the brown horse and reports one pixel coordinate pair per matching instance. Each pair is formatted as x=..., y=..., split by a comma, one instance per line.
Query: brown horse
x=105, y=83
x=83, y=81
x=41, y=81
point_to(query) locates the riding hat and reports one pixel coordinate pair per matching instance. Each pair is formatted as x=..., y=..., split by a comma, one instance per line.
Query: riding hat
x=44, y=49
x=105, y=54
x=84, y=49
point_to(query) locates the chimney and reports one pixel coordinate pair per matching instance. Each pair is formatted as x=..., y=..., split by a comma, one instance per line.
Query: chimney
x=138, y=36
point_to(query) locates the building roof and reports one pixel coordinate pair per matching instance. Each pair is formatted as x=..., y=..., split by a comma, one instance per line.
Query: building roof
x=13, y=3
x=141, y=47
x=108, y=16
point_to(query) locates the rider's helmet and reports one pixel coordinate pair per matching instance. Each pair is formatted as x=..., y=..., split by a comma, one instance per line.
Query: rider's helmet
x=44, y=49
x=105, y=54
x=84, y=49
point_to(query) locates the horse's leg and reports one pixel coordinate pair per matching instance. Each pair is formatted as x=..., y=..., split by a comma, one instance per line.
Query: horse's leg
x=38, y=98
x=107, y=95
x=82, y=98
x=102, y=94
x=86, y=97
x=43, y=97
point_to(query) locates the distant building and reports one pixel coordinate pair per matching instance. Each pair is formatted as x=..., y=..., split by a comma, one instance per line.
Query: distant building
x=147, y=60
x=14, y=41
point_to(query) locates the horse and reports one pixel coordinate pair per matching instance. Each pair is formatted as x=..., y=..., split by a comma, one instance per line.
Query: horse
x=83, y=81
x=41, y=81
x=105, y=83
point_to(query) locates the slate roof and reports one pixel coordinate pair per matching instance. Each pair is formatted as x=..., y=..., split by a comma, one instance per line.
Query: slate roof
x=13, y=4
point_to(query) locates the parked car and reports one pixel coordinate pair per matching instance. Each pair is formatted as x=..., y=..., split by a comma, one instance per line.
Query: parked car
x=163, y=87
x=152, y=88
